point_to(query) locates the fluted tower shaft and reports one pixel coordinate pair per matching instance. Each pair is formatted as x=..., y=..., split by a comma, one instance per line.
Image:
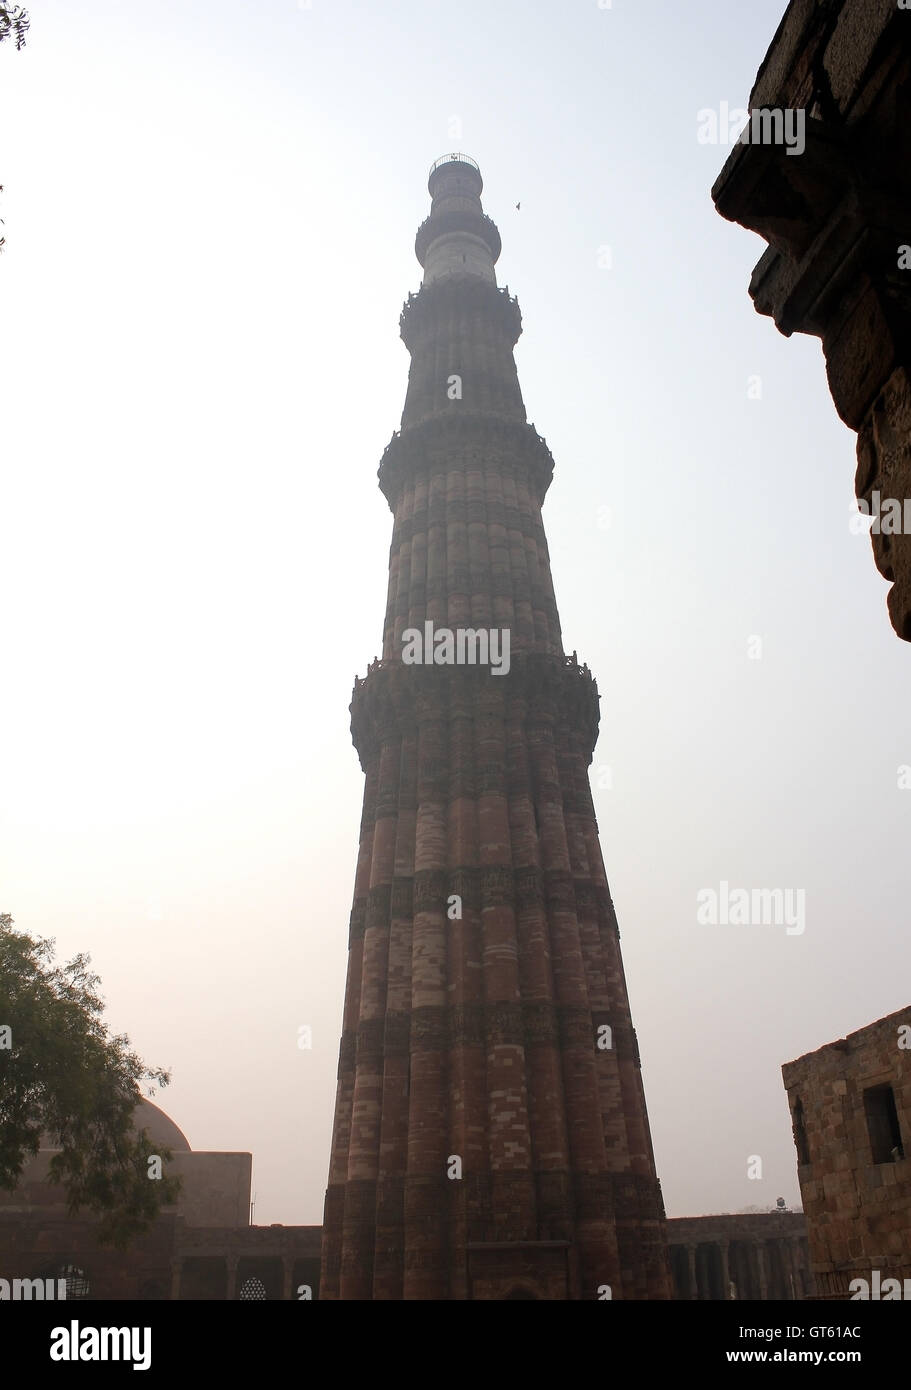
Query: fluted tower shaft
x=490, y=1137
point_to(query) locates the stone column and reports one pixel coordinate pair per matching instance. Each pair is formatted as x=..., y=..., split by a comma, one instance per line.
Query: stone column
x=723, y=1246
x=359, y=1216
x=426, y=1194
x=543, y=1061
x=761, y=1266
x=691, y=1271
x=176, y=1267
x=287, y=1276
x=389, y=1252
x=595, y=1231
x=232, y=1277
x=333, y=1216
x=468, y=1198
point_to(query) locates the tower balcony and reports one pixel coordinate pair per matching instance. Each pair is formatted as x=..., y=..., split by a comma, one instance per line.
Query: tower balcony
x=515, y=446
x=420, y=310
x=457, y=220
x=554, y=690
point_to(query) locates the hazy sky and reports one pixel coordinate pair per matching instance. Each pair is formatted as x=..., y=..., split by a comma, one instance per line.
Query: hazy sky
x=210, y=210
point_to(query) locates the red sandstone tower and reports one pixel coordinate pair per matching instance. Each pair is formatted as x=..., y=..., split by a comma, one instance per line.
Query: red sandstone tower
x=490, y=1136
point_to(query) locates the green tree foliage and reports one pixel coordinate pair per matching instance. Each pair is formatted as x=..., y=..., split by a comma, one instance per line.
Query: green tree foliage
x=14, y=21
x=63, y=1075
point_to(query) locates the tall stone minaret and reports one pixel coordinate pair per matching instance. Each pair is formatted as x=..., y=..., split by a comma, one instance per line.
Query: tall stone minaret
x=490, y=1137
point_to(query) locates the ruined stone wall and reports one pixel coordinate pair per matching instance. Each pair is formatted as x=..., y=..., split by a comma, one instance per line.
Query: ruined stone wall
x=855, y=1181
x=837, y=217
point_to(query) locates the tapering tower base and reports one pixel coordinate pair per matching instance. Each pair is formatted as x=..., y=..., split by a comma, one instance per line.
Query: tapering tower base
x=491, y=1137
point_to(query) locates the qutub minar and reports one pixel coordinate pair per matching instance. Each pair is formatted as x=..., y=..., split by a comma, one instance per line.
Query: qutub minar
x=490, y=1138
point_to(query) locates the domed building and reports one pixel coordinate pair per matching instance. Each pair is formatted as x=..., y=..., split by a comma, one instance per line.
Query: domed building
x=160, y=1127
x=203, y=1247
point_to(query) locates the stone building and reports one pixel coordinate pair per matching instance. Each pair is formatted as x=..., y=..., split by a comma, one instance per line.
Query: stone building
x=203, y=1247
x=761, y=1255
x=851, y=1112
x=837, y=218
x=490, y=1137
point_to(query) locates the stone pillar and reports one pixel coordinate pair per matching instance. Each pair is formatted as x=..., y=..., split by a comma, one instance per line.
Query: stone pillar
x=232, y=1277
x=359, y=1217
x=176, y=1267
x=761, y=1266
x=692, y=1272
x=723, y=1246
x=543, y=1058
x=288, y=1277
x=389, y=1251
x=595, y=1231
x=509, y=1134
x=426, y=1229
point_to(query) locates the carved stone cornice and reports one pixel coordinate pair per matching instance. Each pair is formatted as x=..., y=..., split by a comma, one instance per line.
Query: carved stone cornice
x=525, y=1023
x=460, y=510
x=457, y=220
x=835, y=208
x=525, y=889
x=512, y=446
x=393, y=698
x=423, y=311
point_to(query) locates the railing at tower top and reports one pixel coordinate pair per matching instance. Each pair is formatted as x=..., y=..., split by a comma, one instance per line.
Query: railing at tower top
x=453, y=159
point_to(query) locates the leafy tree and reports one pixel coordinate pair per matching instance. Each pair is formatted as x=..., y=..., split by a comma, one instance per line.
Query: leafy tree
x=13, y=20
x=63, y=1075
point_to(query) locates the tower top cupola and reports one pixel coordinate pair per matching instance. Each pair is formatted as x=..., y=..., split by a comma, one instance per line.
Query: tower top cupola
x=455, y=169
x=457, y=238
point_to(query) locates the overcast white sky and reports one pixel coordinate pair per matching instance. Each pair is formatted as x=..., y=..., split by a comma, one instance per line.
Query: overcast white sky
x=210, y=210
